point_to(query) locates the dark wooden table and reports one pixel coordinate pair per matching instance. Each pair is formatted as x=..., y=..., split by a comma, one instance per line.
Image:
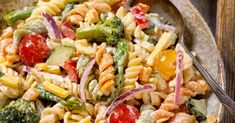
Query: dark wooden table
x=220, y=16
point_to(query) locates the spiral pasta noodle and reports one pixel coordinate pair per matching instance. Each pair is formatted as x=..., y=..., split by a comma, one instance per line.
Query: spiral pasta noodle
x=152, y=97
x=7, y=33
x=145, y=75
x=132, y=71
x=106, y=70
x=128, y=21
x=182, y=117
x=146, y=114
x=157, y=80
x=83, y=47
x=142, y=45
x=8, y=49
x=100, y=118
x=53, y=114
x=143, y=53
x=88, y=12
x=9, y=76
x=52, y=7
x=60, y=81
x=191, y=89
x=79, y=116
x=93, y=89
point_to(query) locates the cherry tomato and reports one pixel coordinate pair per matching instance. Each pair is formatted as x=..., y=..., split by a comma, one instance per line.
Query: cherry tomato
x=124, y=114
x=67, y=31
x=166, y=63
x=140, y=17
x=33, y=49
x=70, y=67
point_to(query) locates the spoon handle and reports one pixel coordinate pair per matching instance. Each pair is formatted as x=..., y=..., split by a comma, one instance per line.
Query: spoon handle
x=222, y=96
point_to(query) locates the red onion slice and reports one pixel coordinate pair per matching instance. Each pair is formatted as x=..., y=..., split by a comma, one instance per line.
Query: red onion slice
x=166, y=27
x=27, y=69
x=84, y=80
x=179, y=75
x=125, y=96
x=51, y=26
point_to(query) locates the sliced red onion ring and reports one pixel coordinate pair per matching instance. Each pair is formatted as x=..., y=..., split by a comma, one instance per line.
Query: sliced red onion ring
x=27, y=69
x=84, y=80
x=179, y=75
x=51, y=26
x=125, y=96
x=166, y=27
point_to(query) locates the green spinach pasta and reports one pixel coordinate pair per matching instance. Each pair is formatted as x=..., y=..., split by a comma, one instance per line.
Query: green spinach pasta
x=101, y=61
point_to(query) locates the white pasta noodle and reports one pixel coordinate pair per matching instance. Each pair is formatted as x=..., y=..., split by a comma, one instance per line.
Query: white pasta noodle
x=88, y=12
x=52, y=7
x=146, y=114
x=132, y=71
x=100, y=118
x=152, y=97
x=53, y=114
x=79, y=116
x=128, y=21
x=60, y=81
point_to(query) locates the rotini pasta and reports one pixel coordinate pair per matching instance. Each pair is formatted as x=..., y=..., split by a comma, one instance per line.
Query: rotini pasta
x=152, y=97
x=106, y=70
x=79, y=116
x=157, y=80
x=83, y=47
x=190, y=90
x=128, y=21
x=145, y=75
x=100, y=118
x=146, y=113
x=182, y=117
x=132, y=72
x=53, y=114
x=8, y=49
x=88, y=12
x=11, y=80
x=93, y=89
x=53, y=7
x=60, y=81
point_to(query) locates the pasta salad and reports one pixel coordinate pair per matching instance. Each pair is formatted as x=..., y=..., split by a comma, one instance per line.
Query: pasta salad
x=78, y=61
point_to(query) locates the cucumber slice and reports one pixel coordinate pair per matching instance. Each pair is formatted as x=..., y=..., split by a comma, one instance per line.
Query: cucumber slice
x=60, y=55
x=197, y=108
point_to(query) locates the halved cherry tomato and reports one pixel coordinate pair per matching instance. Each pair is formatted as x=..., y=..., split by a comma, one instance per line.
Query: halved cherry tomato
x=124, y=114
x=70, y=67
x=165, y=63
x=67, y=31
x=33, y=49
x=140, y=17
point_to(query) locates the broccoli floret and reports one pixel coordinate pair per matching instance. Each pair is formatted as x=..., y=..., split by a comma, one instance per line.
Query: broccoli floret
x=19, y=111
x=110, y=31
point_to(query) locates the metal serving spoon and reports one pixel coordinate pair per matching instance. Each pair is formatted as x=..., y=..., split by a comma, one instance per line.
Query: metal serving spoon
x=169, y=12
